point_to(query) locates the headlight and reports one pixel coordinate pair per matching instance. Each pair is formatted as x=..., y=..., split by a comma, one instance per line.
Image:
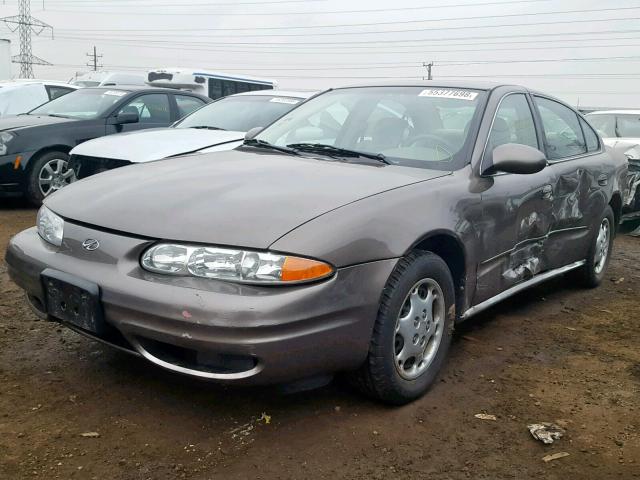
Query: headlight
x=5, y=138
x=50, y=226
x=245, y=266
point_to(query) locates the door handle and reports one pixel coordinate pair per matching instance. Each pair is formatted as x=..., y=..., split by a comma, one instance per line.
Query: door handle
x=547, y=191
x=603, y=180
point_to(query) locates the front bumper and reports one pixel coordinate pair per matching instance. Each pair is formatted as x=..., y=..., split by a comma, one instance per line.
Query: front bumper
x=13, y=175
x=288, y=333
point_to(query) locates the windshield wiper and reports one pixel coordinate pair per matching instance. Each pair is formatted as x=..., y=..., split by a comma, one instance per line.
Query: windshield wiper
x=337, y=151
x=208, y=127
x=57, y=115
x=254, y=142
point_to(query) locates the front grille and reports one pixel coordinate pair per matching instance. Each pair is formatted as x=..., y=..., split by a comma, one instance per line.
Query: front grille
x=85, y=166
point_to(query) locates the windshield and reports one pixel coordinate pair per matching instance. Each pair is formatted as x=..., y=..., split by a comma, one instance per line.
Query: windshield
x=241, y=113
x=410, y=126
x=83, y=103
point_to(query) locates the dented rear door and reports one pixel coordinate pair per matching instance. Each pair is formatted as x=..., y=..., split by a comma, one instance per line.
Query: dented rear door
x=579, y=165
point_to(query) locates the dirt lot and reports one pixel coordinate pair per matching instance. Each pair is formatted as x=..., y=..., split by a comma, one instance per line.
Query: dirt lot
x=554, y=354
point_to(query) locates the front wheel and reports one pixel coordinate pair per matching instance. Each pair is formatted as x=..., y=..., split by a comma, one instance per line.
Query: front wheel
x=593, y=271
x=412, y=333
x=49, y=172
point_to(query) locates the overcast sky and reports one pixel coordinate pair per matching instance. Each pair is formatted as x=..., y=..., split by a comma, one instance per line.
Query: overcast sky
x=579, y=50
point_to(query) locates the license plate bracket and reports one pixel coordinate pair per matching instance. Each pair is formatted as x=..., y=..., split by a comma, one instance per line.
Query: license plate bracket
x=73, y=300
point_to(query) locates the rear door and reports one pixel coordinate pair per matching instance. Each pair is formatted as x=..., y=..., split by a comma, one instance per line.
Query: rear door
x=575, y=157
x=185, y=104
x=154, y=111
x=517, y=209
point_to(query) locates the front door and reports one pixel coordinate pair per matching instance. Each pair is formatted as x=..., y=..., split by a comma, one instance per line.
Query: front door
x=517, y=209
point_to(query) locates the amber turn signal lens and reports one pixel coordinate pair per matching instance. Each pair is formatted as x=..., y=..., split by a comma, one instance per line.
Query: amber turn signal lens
x=297, y=269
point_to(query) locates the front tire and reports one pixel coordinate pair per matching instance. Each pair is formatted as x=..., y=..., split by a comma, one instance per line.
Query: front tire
x=593, y=272
x=49, y=172
x=412, y=333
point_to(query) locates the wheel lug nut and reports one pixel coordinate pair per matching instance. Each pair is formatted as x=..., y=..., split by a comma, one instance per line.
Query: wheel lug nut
x=415, y=339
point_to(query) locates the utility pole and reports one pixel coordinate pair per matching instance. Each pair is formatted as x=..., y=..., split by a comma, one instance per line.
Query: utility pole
x=25, y=24
x=428, y=67
x=94, y=63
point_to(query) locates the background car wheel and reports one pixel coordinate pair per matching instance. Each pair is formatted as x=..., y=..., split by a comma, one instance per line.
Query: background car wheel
x=412, y=333
x=593, y=272
x=49, y=172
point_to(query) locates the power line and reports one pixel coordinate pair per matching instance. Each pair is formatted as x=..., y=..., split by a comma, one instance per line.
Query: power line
x=334, y=12
x=25, y=24
x=413, y=30
x=369, y=42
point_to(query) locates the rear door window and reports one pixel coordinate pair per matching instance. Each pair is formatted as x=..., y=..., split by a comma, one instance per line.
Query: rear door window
x=187, y=104
x=562, y=132
x=151, y=108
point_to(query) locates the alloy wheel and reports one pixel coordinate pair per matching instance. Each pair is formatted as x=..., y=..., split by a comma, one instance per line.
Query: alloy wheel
x=602, y=246
x=54, y=175
x=419, y=329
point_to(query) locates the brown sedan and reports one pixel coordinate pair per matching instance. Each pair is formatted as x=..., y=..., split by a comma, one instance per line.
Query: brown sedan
x=348, y=236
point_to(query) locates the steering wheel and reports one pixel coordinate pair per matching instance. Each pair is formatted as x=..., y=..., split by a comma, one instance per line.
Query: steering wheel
x=431, y=141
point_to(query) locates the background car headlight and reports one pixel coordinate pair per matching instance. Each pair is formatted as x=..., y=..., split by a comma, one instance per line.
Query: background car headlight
x=245, y=266
x=50, y=226
x=5, y=138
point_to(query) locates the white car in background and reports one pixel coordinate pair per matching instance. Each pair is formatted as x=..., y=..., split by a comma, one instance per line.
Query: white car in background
x=220, y=125
x=22, y=96
x=620, y=129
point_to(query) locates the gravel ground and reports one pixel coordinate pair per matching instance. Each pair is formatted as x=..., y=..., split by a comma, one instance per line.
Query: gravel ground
x=555, y=353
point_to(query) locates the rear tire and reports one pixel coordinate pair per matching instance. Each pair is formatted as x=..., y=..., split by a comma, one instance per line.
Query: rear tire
x=412, y=333
x=593, y=272
x=49, y=172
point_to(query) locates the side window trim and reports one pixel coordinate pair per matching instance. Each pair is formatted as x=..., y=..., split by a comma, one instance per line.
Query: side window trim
x=493, y=119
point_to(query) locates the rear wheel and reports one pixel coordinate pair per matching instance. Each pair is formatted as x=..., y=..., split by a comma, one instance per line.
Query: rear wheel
x=412, y=332
x=49, y=173
x=593, y=272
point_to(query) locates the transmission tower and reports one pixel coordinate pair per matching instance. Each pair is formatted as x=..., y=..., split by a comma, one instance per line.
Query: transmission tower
x=25, y=24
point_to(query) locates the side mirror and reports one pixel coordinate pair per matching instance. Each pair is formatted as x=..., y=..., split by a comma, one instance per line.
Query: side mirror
x=253, y=133
x=126, y=117
x=516, y=158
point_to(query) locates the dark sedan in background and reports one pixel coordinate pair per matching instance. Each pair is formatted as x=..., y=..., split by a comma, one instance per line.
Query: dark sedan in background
x=349, y=236
x=34, y=147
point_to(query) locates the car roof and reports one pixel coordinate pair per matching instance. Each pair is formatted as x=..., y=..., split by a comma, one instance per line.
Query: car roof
x=615, y=112
x=146, y=89
x=28, y=81
x=472, y=84
x=279, y=93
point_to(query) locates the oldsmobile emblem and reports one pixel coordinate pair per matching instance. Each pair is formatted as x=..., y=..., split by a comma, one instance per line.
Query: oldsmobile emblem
x=90, y=244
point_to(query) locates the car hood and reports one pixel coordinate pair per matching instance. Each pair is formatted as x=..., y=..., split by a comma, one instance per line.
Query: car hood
x=621, y=144
x=24, y=121
x=154, y=144
x=240, y=198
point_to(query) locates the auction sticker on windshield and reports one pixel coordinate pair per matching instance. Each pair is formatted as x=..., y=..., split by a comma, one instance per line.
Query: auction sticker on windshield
x=115, y=93
x=448, y=93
